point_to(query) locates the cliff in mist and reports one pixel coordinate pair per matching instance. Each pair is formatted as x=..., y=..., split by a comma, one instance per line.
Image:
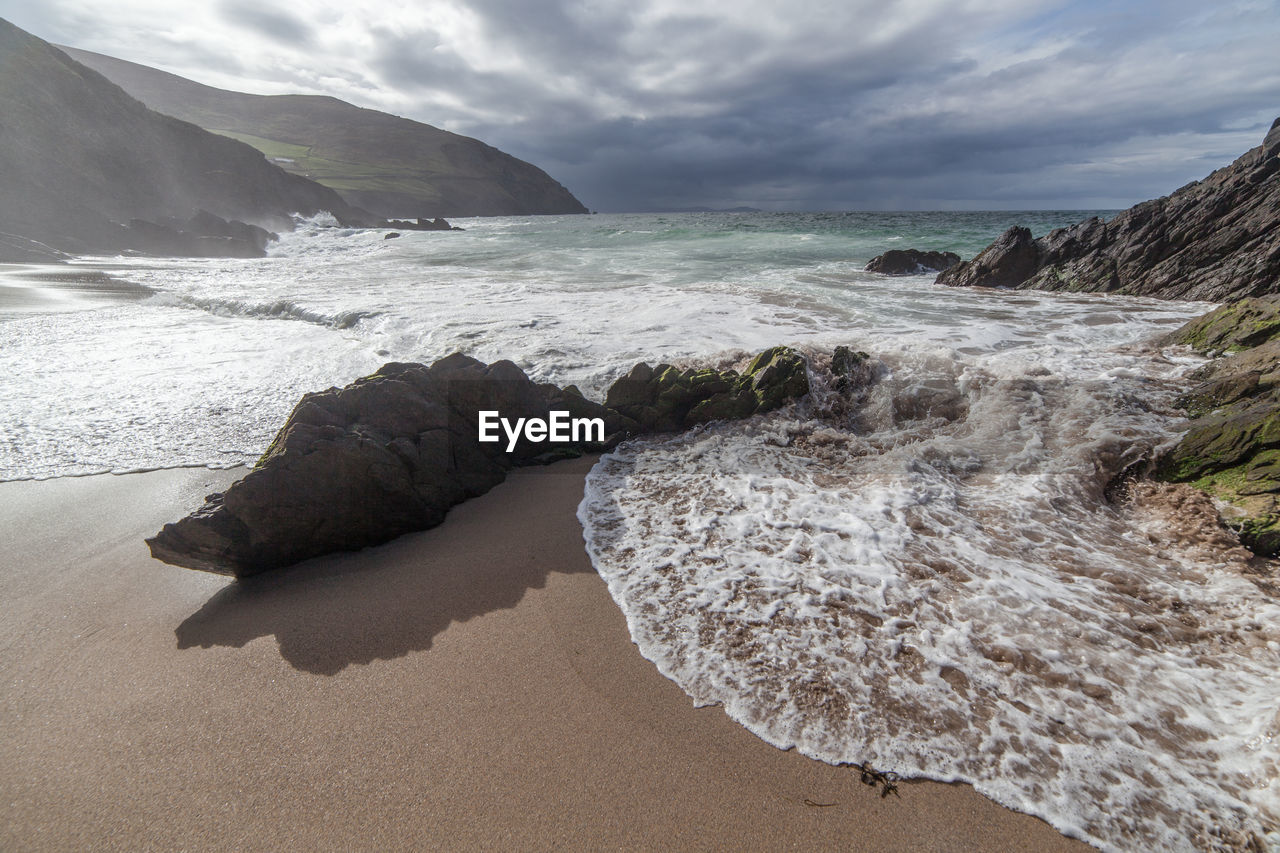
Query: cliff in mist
x=389, y=165
x=80, y=158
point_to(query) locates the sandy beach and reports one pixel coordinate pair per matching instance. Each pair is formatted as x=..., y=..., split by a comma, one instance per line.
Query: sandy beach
x=472, y=686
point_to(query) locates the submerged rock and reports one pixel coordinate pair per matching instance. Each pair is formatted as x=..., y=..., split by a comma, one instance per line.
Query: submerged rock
x=912, y=262
x=421, y=224
x=1215, y=239
x=392, y=452
x=1231, y=448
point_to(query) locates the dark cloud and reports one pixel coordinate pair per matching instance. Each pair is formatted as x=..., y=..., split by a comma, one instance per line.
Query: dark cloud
x=1104, y=110
x=277, y=24
x=868, y=104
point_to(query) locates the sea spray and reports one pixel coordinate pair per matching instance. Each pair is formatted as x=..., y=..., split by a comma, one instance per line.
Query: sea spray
x=942, y=576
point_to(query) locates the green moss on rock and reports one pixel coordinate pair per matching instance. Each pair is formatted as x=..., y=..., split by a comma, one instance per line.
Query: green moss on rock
x=1235, y=326
x=1231, y=449
x=666, y=399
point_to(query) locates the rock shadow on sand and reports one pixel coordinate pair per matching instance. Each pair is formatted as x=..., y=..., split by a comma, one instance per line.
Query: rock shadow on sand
x=387, y=601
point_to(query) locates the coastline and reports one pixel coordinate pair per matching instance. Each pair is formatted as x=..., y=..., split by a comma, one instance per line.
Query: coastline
x=472, y=685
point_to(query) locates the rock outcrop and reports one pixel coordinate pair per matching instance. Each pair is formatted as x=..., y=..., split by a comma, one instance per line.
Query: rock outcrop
x=1231, y=448
x=912, y=262
x=1217, y=239
x=360, y=465
x=392, y=452
x=1233, y=327
x=203, y=235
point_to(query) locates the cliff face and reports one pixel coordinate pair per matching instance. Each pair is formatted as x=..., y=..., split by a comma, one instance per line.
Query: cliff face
x=1215, y=240
x=78, y=157
x=390, y=165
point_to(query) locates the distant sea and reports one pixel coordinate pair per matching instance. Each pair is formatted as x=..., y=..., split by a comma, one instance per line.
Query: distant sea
x=935, y=574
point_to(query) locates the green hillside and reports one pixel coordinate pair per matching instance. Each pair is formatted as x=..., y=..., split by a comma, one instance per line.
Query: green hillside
x=386, y=164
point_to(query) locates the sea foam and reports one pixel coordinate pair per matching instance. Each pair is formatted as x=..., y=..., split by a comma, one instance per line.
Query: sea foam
x=942, y=575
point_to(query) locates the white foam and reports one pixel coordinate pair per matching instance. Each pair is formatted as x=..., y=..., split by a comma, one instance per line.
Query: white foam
x=938, y=586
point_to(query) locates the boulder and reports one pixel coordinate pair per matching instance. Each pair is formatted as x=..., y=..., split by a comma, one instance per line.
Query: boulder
x=391, y=235
x=912, y=262
x=357, y=466
x=849, y=368
x=1216, y=240
x=392, y=452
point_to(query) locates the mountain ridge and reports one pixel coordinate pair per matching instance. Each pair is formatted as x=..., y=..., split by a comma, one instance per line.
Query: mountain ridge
x=390, y=165
x=86, y=168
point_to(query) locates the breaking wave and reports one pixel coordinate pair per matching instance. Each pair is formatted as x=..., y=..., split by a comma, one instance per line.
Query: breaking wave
x=279, y=309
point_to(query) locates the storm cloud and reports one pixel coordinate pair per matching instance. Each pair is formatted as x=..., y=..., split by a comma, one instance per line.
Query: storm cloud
x=650, y=104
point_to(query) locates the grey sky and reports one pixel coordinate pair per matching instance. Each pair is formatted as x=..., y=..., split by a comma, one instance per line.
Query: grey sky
x=782, y=105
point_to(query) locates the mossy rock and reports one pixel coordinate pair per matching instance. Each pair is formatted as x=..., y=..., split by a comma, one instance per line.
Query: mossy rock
x=778, y=375
x=1232, y=447
x=740, y=403
x=1237, y=326
x=1260, y=533
x=1225, y=439
x=667, y=399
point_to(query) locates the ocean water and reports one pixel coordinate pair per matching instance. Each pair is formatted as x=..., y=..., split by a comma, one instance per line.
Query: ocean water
x=934, y=572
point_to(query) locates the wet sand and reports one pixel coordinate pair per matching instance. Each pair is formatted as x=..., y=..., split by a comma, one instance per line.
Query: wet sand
x=41, y=288
x=472, y=686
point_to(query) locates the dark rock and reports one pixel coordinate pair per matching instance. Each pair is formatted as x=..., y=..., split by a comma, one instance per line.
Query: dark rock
x=847, y=366
x=912, y=262
x=391, y=453
x=206, y=224
x=1216, y=239
x=437, y=224
x=1007, y=262
x=357, y=466
x=155, y=239
x=391, y=235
